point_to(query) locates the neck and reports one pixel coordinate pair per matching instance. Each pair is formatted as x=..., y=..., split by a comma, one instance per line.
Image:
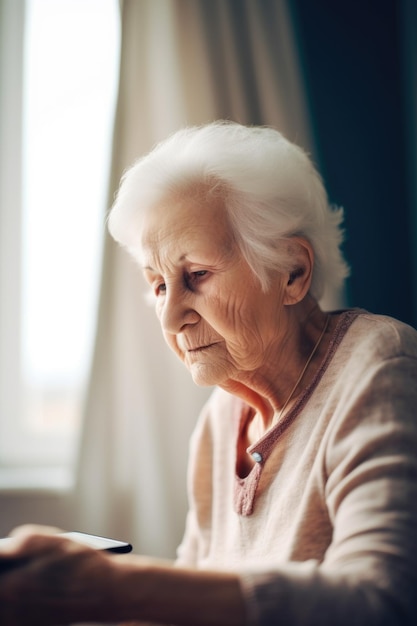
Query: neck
x=288, y=367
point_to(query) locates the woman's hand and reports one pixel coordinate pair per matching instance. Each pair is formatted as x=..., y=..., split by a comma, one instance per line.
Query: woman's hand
x=53, y=580
x=47, y=579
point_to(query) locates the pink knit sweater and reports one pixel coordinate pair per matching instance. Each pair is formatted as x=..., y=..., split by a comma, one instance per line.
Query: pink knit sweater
x=323, y=531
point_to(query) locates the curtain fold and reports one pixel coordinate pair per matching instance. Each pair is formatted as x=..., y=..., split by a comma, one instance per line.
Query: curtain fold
x=409, y=52
x=182, y=62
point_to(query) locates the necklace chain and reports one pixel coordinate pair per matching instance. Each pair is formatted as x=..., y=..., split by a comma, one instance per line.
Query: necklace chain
x=313, y=352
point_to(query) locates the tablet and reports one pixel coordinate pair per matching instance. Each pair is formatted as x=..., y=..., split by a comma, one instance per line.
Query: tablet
x=94, y=541
x=98, y=542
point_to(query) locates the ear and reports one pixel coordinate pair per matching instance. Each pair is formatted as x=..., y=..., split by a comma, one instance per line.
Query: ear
x=299, y=278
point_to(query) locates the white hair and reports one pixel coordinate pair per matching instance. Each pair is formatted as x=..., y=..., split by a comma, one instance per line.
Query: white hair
x=271, y=192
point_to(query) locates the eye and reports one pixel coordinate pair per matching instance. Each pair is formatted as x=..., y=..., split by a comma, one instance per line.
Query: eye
x=193, y=279
x=160, y=288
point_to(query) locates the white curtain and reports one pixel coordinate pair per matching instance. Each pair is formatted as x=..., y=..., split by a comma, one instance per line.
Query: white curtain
x=182, y=62
x=11, y=64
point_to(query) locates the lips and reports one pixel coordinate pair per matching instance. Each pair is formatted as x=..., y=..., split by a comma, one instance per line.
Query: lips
x=199, y=348
x=194, y=347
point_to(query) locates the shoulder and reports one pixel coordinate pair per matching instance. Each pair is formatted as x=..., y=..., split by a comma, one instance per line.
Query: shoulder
x=372, y=376
x=372, y=383
x=377, y=338
x=395, y=334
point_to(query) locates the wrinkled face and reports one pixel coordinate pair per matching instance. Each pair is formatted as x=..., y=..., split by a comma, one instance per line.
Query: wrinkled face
x=212, y=310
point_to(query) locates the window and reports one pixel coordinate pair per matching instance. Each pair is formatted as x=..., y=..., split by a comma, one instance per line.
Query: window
x=53, y=221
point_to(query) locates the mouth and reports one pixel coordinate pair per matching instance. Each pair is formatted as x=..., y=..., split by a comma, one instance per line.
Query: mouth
x=199, y=348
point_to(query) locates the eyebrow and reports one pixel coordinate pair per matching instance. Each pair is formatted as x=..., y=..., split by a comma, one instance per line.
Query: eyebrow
x=151, y=269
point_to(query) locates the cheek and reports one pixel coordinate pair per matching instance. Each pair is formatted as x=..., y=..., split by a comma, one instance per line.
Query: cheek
x=235, y=318
x=236, y=325
x=158, y=308
x=171, y=341
x=248, y=328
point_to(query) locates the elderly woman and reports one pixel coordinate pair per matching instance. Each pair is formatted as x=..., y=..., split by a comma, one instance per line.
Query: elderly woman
x=303, y=464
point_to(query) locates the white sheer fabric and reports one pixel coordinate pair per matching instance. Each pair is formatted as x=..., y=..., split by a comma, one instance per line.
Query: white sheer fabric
x=182, y=62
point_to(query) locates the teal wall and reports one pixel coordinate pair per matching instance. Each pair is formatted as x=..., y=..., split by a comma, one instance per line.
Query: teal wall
x=360, y=80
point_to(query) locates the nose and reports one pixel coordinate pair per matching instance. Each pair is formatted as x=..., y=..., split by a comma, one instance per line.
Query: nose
x=176, y=310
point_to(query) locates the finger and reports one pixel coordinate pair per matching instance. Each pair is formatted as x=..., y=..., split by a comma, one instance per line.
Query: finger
x=9, y=545
x=29, y=540
x=31, y=529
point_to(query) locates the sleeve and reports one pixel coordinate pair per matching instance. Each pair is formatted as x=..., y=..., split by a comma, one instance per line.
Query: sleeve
x=187, y=551
x=369, y=573
x=199, y=481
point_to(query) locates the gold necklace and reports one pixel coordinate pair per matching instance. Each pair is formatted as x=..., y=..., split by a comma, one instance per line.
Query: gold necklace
x=304, y=368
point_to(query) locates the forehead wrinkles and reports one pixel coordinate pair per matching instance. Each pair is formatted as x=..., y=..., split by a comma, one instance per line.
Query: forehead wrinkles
x=166, y=248
x=173, y=232
x=160, y=240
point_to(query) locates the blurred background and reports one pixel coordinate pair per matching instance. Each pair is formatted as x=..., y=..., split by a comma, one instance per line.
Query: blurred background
x=95, y=413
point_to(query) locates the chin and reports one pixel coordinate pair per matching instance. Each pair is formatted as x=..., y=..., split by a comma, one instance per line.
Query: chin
x=206, y=375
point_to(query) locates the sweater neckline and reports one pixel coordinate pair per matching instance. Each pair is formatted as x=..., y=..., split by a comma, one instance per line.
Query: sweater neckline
x=261, y=449
x=245, y=487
